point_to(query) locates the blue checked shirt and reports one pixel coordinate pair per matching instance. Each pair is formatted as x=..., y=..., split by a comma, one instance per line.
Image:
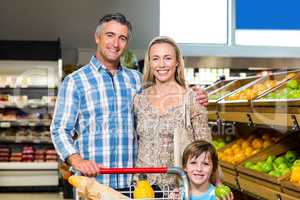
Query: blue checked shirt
x=98, y=106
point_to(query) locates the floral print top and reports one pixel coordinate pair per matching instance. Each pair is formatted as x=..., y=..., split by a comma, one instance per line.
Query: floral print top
x=156, y=132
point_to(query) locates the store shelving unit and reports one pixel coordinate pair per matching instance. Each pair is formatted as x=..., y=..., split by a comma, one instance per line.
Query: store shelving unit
x=283, y=115
x=30, y=73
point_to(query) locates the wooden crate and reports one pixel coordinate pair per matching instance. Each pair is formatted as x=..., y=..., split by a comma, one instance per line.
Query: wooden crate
x=230, y=178
x=288, y=197
x=290, y=188
x=286, y=144
x=250, y=185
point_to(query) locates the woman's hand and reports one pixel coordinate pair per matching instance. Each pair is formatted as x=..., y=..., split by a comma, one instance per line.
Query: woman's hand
x=201, y=96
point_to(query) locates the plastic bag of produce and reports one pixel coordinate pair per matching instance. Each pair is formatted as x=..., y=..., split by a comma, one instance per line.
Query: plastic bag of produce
x=90, y=189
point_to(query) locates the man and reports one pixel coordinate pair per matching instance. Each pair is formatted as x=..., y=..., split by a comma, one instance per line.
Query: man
x=96, y=103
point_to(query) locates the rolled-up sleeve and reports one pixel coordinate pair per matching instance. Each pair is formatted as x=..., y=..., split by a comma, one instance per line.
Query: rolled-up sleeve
x=64, y=119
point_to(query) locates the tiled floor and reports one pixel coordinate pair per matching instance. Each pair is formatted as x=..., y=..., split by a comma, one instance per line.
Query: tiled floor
x=32, y=196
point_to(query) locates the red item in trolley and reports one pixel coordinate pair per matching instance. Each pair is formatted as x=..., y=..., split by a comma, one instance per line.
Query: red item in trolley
x=163, y=170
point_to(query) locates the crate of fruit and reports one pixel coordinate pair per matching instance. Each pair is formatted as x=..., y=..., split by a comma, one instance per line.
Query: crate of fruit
x=247, y=146
x=286, y=93
x=227, y=89
x=258, y=87
x=273, y=164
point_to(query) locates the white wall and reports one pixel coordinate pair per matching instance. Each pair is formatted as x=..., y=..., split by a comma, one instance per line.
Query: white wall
x=73, y=21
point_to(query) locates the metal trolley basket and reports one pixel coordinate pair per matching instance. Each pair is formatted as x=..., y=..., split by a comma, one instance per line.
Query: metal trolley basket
x=165, y=192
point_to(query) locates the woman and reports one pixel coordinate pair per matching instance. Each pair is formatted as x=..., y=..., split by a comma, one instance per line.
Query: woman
x=162, y=107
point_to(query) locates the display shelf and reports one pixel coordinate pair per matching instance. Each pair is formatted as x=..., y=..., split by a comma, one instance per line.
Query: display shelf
x=7, y=124
x=30, y=73
x=28, y=174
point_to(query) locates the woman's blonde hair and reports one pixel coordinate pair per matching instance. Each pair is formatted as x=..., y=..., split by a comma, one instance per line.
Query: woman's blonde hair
x=149, y=78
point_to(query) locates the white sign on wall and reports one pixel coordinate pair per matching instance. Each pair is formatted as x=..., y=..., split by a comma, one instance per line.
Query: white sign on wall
x=194, y=21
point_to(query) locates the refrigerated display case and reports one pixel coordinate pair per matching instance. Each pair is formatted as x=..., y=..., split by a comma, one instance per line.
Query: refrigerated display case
x=30, y=73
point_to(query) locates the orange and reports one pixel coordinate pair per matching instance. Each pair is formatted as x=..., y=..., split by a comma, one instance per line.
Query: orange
x=245, y=144
x=248, y=151
x=240, y=141
x=237, y=150
x=257, y=143
x=239, y=157
x=267, y=143
x=228, y=151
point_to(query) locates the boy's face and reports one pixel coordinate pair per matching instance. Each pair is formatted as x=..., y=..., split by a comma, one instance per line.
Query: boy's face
x=199, y=169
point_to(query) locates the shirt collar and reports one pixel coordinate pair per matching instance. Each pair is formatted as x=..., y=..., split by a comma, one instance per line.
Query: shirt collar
x=98, y=65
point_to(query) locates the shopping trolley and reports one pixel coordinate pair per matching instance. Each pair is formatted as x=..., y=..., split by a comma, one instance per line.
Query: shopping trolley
x=165, y=190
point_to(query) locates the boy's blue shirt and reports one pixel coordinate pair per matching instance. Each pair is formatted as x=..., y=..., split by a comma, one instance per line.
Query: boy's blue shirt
x=209, y=195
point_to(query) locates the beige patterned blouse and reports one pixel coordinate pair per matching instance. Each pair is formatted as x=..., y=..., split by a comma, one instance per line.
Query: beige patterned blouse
x=156, y=132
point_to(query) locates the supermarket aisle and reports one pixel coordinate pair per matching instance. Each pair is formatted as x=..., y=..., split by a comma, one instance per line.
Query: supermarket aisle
x=32, y=196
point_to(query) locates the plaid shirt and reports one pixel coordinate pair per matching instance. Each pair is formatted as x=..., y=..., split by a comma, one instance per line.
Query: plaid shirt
x=98, y=106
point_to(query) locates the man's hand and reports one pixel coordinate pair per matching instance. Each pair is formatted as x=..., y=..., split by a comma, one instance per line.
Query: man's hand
x=201, y=96
x=86, y=167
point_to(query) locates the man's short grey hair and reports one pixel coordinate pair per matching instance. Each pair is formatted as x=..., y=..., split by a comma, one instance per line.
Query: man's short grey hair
x=118, y=17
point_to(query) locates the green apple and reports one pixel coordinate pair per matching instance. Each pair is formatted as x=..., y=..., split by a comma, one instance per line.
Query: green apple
x=282, y=166
x=285, y=171
x=270, y=159
x=275, y=173
x=249, y=164
x=257, y=168
x=292, y=84
x=267, y=167
x=279, y=160
x=296, y=162
x=291, y=156
x=222, y=191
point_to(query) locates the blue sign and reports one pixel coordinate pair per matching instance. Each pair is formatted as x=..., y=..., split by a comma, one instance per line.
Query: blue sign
x=268, y=14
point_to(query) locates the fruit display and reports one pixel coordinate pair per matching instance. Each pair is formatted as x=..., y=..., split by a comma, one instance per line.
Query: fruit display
x=228, y=88
x=253, y=92
x=243, y=148
x=259, y=87
x=291, y=90
x=276, y=166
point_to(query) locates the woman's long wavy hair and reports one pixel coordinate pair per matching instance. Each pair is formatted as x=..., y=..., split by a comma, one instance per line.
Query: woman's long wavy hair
x=149, y=78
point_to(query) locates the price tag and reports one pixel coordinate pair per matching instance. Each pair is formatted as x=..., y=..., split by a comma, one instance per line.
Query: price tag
x=4, y=124
x=31, y=123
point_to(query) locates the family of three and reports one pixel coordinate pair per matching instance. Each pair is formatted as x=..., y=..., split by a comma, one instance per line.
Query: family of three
x=123, y=120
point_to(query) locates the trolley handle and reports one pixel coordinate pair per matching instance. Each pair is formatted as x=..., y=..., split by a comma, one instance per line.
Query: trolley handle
x=162, y=170
x=166, y=170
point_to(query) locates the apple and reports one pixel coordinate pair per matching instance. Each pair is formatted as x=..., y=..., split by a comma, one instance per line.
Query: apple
x=222, y=191
x=249, y=164
x=292, y=84
x=279, y=160
x=290, y=156
x=275, y=173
